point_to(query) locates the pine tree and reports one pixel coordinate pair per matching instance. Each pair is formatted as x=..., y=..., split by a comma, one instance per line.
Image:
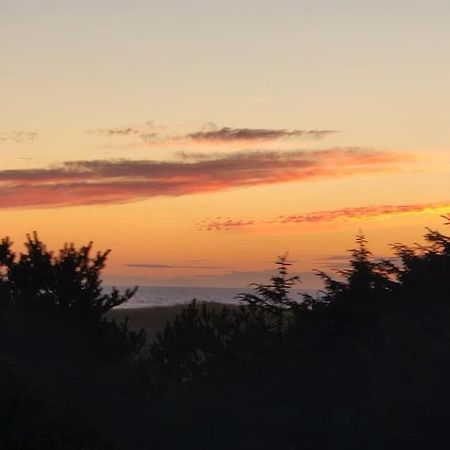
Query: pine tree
x=271, y=305
x=60, y=296
x=364, y=280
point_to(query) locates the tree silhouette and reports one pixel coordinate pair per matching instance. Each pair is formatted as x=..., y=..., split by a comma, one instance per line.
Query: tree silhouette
x=367, y=366
x=69, y=281
x=424, y=273
x=192, y=338
x=202, y=337
x=271, y=304
x=43, y=294
x=365, y=279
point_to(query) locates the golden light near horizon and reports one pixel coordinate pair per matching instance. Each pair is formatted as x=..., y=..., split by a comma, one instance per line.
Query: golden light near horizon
x=199, y=142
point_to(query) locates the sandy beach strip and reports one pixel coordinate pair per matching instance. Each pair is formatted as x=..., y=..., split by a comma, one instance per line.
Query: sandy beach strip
x=151, y=319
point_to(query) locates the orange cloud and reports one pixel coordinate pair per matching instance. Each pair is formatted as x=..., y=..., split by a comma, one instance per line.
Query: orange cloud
x=115, y=181
x=359, y=213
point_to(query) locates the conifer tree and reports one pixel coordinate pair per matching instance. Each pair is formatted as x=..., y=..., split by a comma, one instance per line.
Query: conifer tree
x=364, y=280
x=57, y=295
x=271, y=305
x=425, y=269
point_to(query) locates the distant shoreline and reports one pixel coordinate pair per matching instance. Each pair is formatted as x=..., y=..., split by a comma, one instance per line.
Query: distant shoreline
x=152, y=319
x=174, y=296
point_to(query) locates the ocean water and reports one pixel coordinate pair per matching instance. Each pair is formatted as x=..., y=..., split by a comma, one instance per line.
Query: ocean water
x=167, y=296
x=148, y=296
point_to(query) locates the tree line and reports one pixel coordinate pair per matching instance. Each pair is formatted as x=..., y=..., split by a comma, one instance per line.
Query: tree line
x=365, y=364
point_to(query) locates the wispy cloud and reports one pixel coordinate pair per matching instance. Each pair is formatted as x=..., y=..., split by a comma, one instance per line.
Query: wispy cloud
x=117, y=131
x=215, y=134
x=244, y=278
x=171, y=266
x=226, y=224
x=340, y=262
x=364, y=212
x=145, y=130
x=151, y=135
x=18, y=136
x=115, y=181
x=358, y=213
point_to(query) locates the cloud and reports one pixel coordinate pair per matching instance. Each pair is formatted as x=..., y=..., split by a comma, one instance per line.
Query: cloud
x=117, y=131
x=151, y=135
x=18, y=136
x=363, y=212
x=225, y=224
x=146, y=131
x=120, y=180
x=213, y=135
x=170, y=266
x=358, y=213
x=240, y=280
x=341, y=262
x=244, y=278
x=251, y=135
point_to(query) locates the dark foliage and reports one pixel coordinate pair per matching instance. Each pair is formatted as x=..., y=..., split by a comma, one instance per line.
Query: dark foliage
x=366, y=280
x=55, y=303
x=32, y=417
x=202, y=339
x=180, y=352
x=424, y=274
x=363, y=366
x=66, y=357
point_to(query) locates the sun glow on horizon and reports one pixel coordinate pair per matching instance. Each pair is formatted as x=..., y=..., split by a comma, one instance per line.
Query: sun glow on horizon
x=198, y=154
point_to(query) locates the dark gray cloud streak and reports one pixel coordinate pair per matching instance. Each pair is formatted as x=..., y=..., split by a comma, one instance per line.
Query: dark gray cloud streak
x=227, y=134
x=212, y=135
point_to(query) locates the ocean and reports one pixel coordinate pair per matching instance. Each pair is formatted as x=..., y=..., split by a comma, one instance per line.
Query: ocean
x=149, y=296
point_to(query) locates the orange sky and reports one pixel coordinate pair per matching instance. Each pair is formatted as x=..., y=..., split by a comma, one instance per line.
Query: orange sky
x=199, y=146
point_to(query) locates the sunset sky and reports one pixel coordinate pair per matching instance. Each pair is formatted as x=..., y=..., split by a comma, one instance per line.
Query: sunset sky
x=200, y=139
